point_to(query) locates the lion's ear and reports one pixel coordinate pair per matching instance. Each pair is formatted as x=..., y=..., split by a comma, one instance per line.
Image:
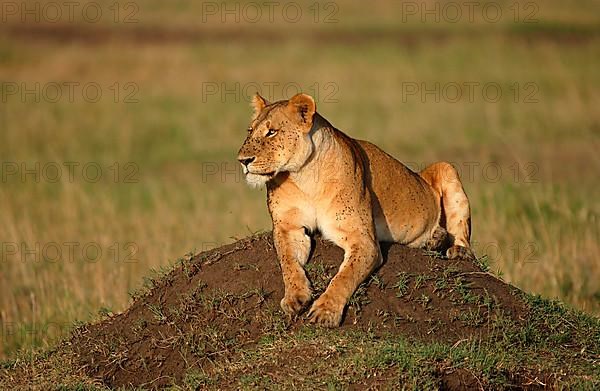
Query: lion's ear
x=258, y=104
x=302, y=107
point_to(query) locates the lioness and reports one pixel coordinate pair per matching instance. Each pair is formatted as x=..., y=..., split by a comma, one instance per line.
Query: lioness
x=356, y=195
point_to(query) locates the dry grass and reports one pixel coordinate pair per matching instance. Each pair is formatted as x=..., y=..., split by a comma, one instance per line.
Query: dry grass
x=542, y=233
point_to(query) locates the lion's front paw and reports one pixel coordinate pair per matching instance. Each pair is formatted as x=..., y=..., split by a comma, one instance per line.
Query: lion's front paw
x=326, y=312
x=293, y=302
x=460, y=252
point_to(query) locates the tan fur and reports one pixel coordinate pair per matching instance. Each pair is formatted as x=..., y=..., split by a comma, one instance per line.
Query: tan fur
x=355, y=194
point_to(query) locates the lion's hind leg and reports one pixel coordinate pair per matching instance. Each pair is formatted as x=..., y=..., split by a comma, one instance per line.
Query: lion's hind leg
x=438, y=240
x=456, y=211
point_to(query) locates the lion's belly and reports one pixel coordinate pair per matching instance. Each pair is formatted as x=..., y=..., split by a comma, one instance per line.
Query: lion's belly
x=405, y=208
x=404, y=226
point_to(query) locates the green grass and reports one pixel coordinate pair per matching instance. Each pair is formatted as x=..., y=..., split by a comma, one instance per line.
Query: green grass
x=541, y=351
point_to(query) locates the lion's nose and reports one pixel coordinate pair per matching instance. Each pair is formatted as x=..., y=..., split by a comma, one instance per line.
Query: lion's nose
x=247, y=160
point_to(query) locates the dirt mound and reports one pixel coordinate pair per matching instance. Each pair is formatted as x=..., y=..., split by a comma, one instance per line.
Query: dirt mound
x=214, y=305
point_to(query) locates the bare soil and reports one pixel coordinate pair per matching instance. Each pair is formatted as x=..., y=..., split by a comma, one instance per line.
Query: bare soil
x=218, y=304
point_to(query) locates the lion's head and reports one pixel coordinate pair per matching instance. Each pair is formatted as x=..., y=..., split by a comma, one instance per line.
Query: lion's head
x=278, y=138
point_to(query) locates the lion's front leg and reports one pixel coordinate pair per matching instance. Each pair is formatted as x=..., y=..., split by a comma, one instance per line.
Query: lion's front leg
x=362, y=255
x=293, y=248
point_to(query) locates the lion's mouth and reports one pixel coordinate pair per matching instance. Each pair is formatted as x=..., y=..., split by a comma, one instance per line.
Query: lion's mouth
x=269, y=174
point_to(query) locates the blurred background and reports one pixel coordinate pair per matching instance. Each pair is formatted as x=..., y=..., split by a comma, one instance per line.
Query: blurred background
x=120, y=122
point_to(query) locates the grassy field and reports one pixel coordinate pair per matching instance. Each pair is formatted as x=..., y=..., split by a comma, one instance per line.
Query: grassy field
x=118, y=140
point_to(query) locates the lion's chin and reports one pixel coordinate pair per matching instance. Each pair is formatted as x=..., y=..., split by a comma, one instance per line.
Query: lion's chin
x=258, y=180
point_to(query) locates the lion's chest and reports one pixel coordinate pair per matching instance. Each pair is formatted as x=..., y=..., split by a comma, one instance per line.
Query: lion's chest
x=314, y=209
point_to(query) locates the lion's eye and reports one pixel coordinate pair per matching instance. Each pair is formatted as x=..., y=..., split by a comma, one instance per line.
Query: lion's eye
x=271, y=133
